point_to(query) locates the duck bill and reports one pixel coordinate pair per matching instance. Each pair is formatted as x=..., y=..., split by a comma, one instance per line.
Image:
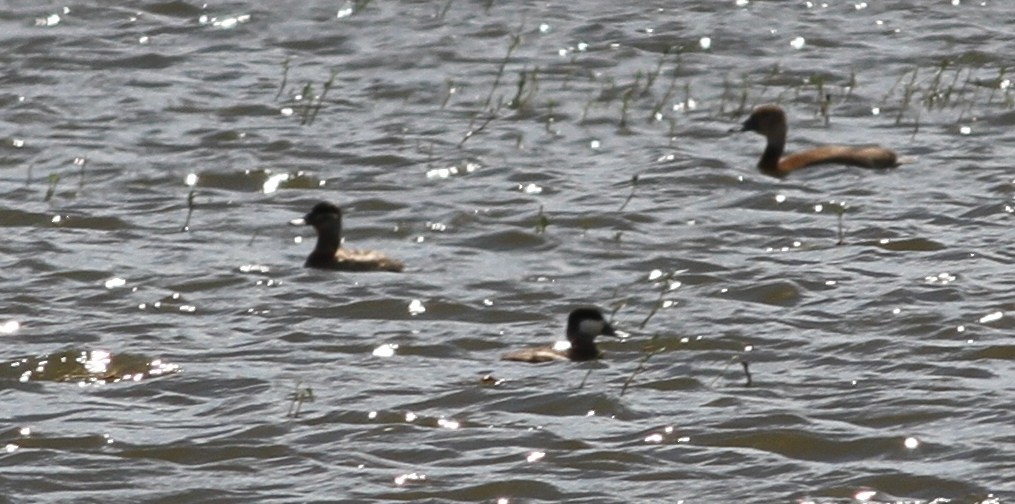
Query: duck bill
x=608, y=330
x=298, y=222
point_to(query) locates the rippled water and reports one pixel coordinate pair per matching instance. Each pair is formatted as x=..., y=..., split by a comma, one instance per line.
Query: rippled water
x=494, y=147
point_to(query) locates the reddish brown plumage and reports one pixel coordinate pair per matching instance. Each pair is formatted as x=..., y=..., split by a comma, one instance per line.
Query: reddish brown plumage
x=770, y=121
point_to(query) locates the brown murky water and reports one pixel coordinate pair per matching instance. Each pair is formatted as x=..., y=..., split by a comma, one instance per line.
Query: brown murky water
x=493, y=148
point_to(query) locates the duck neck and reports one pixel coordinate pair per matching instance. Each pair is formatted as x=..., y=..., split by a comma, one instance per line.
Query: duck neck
x=329, y=238
x=582, y=349
x=769, y=162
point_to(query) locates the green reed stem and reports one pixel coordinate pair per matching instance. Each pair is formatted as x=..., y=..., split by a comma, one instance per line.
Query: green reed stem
x=299, y=396
x=634, y=186
x=190, y=211
x=53, y=179
x=516, y=40
x=641, y=364
x=285, y=77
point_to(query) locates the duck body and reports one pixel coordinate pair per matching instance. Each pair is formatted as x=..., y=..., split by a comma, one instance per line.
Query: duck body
x=583, y=326
x=326, y=219
x=770, y=121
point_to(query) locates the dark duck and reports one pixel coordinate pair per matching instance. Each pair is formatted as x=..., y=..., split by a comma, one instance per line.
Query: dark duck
x=583, y=326
x=326, y=218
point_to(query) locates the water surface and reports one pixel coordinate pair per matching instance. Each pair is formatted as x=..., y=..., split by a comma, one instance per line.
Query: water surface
x=493, y=148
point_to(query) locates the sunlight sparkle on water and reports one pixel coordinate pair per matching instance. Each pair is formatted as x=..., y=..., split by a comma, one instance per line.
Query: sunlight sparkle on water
x=96, y=361
x=416, y=307
x=911, y=443
x=191, y=179
x=115, y=282
x=991, y=317
x=271, y=185
x=535, y=456
x=10, y=327
x=385, y=350
x=940, y=278
x=404, y=479
x=448, y=424
x=864, y=495
x=705, y=42
x=224, y=23
x=51, y=20
x=797, y=43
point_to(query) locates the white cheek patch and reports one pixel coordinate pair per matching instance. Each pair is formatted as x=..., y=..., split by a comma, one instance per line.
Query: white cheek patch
x=593, y=327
